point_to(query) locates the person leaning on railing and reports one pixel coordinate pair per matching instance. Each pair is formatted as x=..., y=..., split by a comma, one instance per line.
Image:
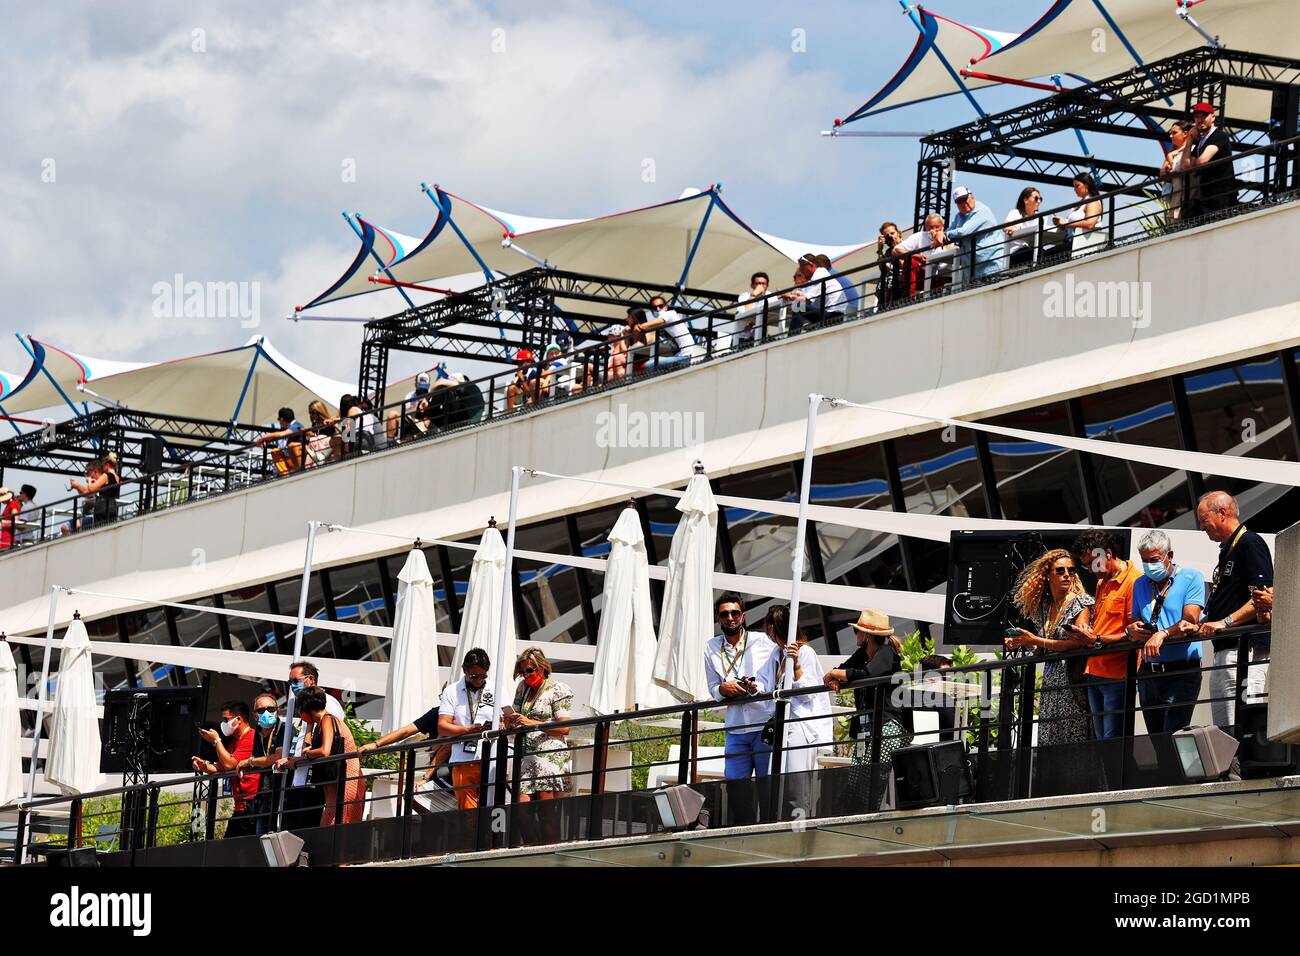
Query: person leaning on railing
x=879, y=654
x=329, y=736
x=14, y=504
x=101, y=490
x=540, y=699
x=1085, y=222
x=1099, y=550
x=809, y=728
x=426, y=724
x=1049, y=593
x=1167, y=602
x=1244, y=566
x=1210, y=190
x=287, y=455
x=268, y=734
x=233, y=746
x=1174, y=190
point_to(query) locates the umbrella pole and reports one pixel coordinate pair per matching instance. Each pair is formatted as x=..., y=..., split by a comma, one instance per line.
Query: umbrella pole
x=695, y=747
x=287, y=740
x=40, y=704
x=503, y=668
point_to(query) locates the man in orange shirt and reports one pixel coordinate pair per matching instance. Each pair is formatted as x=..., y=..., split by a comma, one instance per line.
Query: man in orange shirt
x=1099, y=550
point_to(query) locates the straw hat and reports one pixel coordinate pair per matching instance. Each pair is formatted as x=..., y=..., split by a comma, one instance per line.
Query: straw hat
x=5, y=496
x=874, y=622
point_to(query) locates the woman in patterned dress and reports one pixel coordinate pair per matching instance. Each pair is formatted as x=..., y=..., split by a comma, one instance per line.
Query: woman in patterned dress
x=541, y=700
x=1049, y=593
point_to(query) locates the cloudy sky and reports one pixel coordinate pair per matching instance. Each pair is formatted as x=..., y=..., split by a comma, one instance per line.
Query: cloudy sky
x=220, y=141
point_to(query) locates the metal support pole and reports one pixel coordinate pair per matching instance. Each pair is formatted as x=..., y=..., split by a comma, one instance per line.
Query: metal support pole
x=40, y=699
x=595, y=821
x=286, y=742
x=503, y=668
x=801, y=526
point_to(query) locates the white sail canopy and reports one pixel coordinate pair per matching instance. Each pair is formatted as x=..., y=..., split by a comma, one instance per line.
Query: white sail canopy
x=73, y=761
x=249, y=383
x=378, y=246
x=622, y=676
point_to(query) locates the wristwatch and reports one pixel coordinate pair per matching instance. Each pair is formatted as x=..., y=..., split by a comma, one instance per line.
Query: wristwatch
x=1227, y=621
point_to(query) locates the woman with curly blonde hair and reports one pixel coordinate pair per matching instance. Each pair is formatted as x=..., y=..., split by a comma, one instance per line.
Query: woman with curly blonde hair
x=1049, y=593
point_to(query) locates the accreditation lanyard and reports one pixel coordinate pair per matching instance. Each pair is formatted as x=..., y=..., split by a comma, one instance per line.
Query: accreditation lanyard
x=472, y=702
x=1232, y=546
x=729, y=661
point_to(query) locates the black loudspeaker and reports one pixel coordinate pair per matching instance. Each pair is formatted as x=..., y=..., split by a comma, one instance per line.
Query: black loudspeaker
x=1259, y=756
x=151, y=455
x=85, y=856
x=932, y=775
x=982, y=570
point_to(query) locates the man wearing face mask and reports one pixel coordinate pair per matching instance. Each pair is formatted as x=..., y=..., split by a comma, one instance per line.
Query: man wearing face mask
x=236, y=732
x=303, y=801
x=266, y=751
x=1167, y=602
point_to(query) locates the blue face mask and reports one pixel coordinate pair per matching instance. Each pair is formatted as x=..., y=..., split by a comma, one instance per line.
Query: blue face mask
x=295, y=686
x=266, y=720
x=1155, y=570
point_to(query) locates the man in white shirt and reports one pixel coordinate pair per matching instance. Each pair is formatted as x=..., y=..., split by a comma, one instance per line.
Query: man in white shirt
x=467, y=708
x=677, y=328
x=928, y=241
x=738, y=665
x=821, y=295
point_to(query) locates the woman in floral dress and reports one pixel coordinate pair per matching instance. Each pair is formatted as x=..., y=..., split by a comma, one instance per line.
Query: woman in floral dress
x=1049, y=593
x=539, y=699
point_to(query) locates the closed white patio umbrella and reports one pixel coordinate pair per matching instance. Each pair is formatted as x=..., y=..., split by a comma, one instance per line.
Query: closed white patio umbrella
x=481, y=618
x=686, y=617
x=73, y=762
x=413, y=684
x=11, y=733
x=623, y=675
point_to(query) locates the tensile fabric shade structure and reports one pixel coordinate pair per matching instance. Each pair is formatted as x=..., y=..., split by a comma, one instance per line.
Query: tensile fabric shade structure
x=686, y=615
x=248, y=383
x=379, y=248
x=623, y=674
x=413, y=685
x=481, y=618
x=72, y=763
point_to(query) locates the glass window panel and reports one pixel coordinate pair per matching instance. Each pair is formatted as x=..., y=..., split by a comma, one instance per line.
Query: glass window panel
x=1037, y=481
x=247, y=634
x=1134, y=493
x=550, y=591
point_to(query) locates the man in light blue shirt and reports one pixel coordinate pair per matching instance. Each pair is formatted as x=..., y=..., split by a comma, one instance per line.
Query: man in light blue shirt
x=973, y=217
x=1167, y=602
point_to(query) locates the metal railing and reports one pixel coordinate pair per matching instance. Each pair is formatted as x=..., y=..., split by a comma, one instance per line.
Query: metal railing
x=998, y=721
x=1130, y=215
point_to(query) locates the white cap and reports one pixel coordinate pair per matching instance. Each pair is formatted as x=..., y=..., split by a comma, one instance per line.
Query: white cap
x=961, y=192
x=422, y=381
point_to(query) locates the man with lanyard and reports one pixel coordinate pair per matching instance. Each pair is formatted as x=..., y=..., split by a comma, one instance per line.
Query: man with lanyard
x=266, y=750
x=1211, y=190
x=1167, y=602
x=466, y=707
x=1099, y=549
x=303, y=802
x=738, y=665
x=1244, y=566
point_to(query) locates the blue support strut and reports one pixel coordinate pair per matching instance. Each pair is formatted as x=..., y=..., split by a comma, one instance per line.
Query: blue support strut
x=46, y=372
x=1131, y=51
x=1078, y=133
x=362, y=236
x=234, y=416
x=690, y=256
x=455, y=228
x=934, y=47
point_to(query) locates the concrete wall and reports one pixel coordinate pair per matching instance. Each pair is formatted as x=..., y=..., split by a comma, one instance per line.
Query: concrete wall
x=1217, y=293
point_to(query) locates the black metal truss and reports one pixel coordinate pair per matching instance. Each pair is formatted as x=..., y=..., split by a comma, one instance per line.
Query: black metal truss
x=522, y=311
x=64, y=448
x=1126, y=104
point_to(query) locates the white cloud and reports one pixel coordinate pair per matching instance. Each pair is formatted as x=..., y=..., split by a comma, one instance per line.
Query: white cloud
x=225, y=165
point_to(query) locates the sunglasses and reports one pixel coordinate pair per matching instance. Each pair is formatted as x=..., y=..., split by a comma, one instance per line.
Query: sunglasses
x=476, y=677
x=529, y=670
x=266, y=710
x=731, y=614
x=1063, y=572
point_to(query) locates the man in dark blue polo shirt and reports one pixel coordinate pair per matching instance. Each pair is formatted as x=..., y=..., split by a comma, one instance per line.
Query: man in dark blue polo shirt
x=1244, y=562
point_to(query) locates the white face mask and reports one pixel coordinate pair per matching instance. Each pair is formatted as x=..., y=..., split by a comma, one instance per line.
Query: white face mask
x=227, y=728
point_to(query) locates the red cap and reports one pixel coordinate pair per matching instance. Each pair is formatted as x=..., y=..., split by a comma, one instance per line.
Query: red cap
x=524, y=355
x=1203, y=107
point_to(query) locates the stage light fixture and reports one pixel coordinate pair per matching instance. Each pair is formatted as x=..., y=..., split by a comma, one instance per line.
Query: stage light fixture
x=1206, y=752
x=283, y=848
x=681, y=808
